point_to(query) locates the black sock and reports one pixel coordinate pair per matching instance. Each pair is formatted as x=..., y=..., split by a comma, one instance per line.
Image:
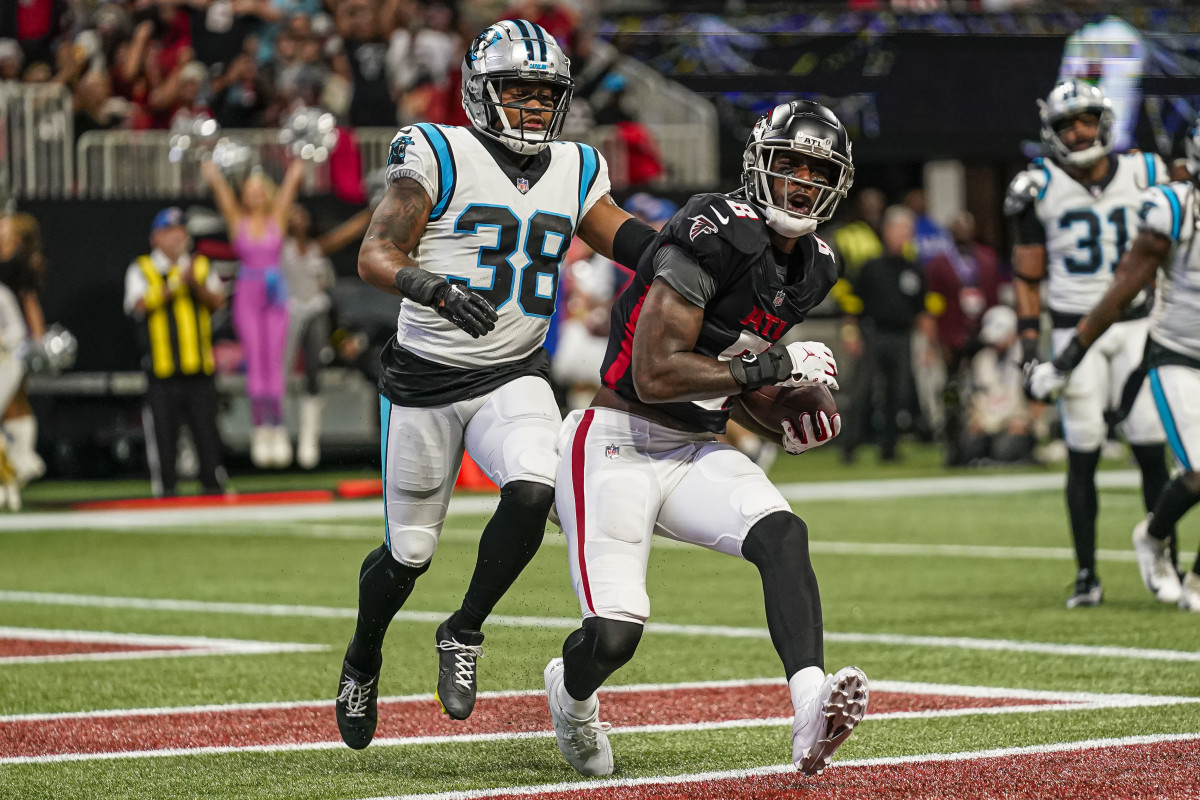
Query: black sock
x=383, y=586
x=1082, y=505
x=1172, y=504
x=1152, y=461
x=778, y=546
x=508, y=543
x=596, y=651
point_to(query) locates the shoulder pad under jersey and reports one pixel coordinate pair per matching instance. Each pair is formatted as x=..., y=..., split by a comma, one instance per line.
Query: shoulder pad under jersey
x=1025, y=188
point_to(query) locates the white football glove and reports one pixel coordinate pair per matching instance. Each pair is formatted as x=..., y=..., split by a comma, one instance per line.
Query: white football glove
x=812, y=362
x=1044, y=382
x=806, y=438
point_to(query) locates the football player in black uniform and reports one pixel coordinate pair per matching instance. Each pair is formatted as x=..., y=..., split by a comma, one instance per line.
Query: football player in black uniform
x=700, y=323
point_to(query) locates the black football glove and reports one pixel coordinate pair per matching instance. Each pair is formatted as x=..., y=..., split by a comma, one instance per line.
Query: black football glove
x=466, y=309
x=452, y=301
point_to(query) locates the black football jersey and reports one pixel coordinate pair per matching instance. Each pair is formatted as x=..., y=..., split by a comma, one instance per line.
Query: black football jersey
x=756, y=300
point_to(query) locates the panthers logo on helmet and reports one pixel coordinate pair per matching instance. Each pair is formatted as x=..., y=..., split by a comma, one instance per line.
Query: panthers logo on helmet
x=482, y=42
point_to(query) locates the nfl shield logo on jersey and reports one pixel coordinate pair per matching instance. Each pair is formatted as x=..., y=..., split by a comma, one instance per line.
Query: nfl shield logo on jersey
x=612, y=451
x=522, y=185
x=779, y=298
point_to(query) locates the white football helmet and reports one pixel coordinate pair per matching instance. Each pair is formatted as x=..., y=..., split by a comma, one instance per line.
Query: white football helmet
x=514, y=50
x=1067, y=100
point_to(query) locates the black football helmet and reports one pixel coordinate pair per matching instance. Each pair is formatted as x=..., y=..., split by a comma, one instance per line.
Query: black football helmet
x=810, y=129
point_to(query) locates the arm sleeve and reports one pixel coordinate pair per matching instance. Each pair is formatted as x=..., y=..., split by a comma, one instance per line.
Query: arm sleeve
x=1161, y=212
x=594, y=177
x=412, y=156
x=1029, y=226
x=684, y=275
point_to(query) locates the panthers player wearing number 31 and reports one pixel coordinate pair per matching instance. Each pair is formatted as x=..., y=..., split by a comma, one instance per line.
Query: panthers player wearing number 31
x=470, y=233
x=1167, y=238
x=700, y=323
x=1076, y=212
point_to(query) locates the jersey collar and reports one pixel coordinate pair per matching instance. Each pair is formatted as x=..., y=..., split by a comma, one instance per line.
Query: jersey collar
x=510, y=162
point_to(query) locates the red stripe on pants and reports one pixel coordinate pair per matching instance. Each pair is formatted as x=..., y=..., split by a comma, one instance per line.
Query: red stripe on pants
x=577, y=447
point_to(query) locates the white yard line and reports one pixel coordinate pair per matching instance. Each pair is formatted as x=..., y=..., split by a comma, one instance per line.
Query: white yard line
x=570, y=623
x=689, y=727
x=970, y=755
x=801, y=493
x=195, y=646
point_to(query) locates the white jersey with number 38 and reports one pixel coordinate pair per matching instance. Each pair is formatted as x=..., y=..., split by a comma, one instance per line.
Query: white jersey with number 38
x=498, y=229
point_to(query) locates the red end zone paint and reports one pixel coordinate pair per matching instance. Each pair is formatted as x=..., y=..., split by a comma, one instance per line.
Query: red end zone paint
x=209, y=500
x=1161, y=770
x=314, y=723
x=17, y=648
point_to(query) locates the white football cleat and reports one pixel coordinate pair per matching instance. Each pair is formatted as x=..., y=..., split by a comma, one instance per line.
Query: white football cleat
x=1189, y=598
x=583, y=742
x=828, y=719
x=1154, y=562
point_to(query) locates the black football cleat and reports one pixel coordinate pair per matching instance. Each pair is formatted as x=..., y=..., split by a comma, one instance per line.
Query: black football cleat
x=1088, y=591
x=357, y=706
x=457, y=653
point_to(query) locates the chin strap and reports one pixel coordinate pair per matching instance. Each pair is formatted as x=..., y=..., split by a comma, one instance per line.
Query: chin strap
x=787, y=225
x=1085, y=158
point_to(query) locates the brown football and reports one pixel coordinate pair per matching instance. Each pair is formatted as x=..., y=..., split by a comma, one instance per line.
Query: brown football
x=772, y=404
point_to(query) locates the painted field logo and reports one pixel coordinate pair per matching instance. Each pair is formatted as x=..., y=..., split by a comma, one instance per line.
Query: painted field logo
x=612, y=451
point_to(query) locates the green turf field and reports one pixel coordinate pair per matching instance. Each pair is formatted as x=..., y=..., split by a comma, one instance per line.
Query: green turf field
x=995, y=594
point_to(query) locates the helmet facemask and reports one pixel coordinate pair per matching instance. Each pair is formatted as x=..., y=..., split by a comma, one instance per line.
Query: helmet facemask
x=1056, y=119
x=520, y=139
x=759, y=179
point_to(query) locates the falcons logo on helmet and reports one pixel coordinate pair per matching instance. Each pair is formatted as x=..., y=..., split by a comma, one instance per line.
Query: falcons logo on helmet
x=701, y=224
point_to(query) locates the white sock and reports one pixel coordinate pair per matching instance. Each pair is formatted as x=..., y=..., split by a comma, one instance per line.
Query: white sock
x=804, y=685
x=577, y=709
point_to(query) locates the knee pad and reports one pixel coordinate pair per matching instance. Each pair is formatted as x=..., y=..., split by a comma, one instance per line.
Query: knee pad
x=412, y=546
x=613, y=641
x=776, y=538
x=537, y=497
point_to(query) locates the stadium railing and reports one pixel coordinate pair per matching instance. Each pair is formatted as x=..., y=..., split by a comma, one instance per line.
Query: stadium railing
x=37, y=134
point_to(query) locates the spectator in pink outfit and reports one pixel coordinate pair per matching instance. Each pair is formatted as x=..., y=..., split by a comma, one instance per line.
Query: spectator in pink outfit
x=256, y=224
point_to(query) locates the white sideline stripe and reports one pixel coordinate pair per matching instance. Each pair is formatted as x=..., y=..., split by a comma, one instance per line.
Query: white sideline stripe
x=472, y=738
x=901, y=687
x=570, y=623
x=196, y=645
x=814, y=492
x=970, y=755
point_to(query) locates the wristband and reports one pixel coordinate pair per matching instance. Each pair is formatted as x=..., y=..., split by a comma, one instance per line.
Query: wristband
x=1029, y=324
x=420, y=286
x=1069, y=359
x=755, y=371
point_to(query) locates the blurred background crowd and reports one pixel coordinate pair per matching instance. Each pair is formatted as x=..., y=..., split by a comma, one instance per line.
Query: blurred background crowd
x=939, y=97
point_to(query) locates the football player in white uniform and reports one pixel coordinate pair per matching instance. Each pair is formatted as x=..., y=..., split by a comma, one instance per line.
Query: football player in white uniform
x=470, y=233
x=1075, y=213
x=1169, y=228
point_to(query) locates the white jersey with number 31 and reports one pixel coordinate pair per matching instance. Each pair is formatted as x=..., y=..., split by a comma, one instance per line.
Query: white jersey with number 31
x=1089, y=228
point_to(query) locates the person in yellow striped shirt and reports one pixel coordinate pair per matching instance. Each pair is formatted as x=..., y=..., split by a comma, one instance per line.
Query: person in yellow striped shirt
x=171, y=294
